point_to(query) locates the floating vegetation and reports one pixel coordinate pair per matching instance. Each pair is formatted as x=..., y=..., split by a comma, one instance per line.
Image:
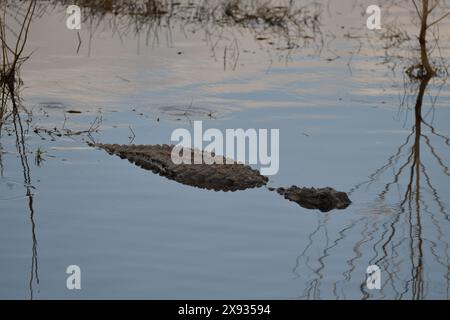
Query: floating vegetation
x=39, y=156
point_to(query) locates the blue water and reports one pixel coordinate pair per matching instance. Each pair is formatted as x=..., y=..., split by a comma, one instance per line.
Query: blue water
x=138, y=235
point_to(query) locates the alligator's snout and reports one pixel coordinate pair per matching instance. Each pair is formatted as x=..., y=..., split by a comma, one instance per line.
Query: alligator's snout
x=324, y=199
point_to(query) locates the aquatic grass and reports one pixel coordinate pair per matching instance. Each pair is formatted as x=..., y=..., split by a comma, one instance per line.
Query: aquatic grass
x=39, y=156
x=12, y=58
x=281, y=26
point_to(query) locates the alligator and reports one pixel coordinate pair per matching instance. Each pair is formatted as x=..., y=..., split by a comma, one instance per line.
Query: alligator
x=324, y=199
x=232, y=176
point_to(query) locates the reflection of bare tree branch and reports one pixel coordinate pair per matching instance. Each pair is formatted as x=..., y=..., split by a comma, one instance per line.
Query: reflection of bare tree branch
x=411, y=200
x=399, y=243
x=1, y=161
x=9, y=81
x=445, y=263
x=21, y=149
x=313, y=285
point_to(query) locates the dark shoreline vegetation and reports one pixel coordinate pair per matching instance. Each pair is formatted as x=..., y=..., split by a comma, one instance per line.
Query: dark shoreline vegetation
x=281, y=31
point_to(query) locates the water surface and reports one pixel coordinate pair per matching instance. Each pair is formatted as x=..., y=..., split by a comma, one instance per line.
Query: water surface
x=342, y=117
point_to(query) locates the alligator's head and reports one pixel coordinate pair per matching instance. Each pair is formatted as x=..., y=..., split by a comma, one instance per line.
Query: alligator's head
x=324, y=199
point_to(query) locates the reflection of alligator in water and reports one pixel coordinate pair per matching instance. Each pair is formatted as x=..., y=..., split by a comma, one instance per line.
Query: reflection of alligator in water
x=230, y=177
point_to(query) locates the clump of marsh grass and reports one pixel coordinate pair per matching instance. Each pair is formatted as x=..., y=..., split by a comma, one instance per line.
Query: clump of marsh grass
x=12, y=48
x=288, y=24
x=39, y=156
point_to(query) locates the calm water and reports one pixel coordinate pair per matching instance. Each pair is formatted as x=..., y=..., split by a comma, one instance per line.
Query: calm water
x=137, y=235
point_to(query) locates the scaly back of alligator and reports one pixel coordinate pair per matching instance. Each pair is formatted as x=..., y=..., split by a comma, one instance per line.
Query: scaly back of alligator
x=157, y=158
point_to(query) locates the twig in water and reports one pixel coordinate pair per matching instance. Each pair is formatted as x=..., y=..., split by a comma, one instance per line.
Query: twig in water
x=133, y=135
